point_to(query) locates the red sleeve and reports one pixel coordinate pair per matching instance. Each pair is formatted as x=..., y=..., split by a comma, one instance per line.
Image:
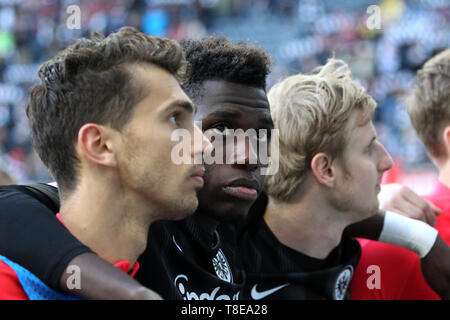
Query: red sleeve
x=399, y=272
x=10, y=287
x=443, y=226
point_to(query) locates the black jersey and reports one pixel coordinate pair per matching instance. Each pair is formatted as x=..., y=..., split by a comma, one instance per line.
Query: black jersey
x=275, y=271
x=184, y=262
x=181, y=261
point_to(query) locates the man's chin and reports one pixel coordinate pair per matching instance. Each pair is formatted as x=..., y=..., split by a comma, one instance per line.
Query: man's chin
x=184, y=208
x=233, y=215
x=222, y=208
x=370, y=212
x=191, y=206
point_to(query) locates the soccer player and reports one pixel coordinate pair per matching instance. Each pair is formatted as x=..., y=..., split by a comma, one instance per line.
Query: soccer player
x=197, y=258
x=101, y=120
x=429, y=110
x=427, y=107
x=329, y=176
x=186, y=259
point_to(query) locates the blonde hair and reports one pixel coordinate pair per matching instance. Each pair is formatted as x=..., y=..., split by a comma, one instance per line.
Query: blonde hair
x=428, y=104
x=312, y=115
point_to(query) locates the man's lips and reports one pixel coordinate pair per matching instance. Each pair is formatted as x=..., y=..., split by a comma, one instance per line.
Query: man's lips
x=197, y=176
x=378, y=187
x=243, y=189
x=243, y=193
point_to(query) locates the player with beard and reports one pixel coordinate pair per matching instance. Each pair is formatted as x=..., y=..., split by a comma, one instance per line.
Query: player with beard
x=101, y=119
x=187, y=259
x=190, y=259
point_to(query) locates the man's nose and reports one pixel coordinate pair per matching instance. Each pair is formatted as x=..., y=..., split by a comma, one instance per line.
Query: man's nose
x=386, y=161
x=200, y=143
x=246, y=153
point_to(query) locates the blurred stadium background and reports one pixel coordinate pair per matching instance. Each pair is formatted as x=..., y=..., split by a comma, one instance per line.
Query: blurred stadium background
x=299, y=35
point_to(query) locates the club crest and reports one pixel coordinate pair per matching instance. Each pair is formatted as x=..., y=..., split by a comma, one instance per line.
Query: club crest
x=222, y=267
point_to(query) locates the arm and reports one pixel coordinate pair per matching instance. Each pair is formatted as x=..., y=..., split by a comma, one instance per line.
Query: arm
x=436, y=268
x=100, y=280
x=413, y=235
x=401, y=199
x=368, y=229
x=45, y=247
x=31, y=236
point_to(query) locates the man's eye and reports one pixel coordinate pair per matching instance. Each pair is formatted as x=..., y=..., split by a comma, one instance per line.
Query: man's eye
x=221, y=128
x=174, y=118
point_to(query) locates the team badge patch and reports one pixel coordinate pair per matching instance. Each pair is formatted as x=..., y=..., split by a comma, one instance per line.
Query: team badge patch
x=222, y=267
x=342, y=283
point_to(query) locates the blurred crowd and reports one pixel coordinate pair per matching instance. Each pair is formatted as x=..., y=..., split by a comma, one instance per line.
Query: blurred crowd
x=299, y=35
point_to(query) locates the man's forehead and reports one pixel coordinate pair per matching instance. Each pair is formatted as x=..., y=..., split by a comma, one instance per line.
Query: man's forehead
x=363, y=132
x=220, y=92
x=160, y=89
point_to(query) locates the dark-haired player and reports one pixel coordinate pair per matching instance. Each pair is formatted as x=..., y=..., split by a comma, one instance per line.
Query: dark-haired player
x=187, y=259
x=196, y=258
x=227, y=84
x=98, y=106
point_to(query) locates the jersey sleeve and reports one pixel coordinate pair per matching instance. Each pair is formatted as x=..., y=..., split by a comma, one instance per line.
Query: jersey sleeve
x=31, y=235
x=388, y=272
x=10, y=287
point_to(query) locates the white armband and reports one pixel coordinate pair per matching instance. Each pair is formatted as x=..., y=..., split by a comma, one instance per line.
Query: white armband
x=408, y=233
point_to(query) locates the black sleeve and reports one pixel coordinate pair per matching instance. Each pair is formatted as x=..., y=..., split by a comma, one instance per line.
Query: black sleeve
x=32, y=236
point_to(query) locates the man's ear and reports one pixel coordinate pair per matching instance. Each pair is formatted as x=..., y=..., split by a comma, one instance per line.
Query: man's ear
x=322, y=169
x=446, y=139
x=95, y=144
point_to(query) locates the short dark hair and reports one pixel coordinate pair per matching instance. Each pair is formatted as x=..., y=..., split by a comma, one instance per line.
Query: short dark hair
x=89, y=82
x=216, y=58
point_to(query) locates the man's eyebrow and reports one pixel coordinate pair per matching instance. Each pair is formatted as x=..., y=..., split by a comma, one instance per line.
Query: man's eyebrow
x=229, y=114
x=225, y=114
x=187, y=105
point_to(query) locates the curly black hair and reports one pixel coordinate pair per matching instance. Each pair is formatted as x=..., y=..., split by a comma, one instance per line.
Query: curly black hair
x=216, y=58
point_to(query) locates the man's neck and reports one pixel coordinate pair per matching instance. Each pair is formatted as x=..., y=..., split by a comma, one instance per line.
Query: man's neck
x=444, y=173
x=206, y=222
x=113, y=224
x=309, y=226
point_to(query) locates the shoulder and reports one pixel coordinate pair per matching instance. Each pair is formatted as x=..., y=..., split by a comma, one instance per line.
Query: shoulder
x=14, y=198
x=16, y=194
x=10, y=191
